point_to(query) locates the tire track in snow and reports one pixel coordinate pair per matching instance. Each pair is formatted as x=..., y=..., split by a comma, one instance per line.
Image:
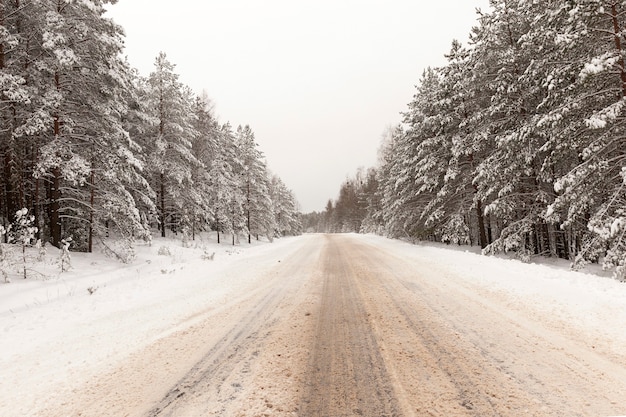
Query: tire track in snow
x=347, y=375
x=217, y=382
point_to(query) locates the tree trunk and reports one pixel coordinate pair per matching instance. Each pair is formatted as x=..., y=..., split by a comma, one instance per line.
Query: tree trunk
x=249, y=238
x=541, y=242
x=55, y=188
x=163, y=217
x=248, y=208
x=482, y=236
x=37, y=211
x=91, y=206
x=9, y=193
x=552, y=240
x=618, y=46
x=55, y=198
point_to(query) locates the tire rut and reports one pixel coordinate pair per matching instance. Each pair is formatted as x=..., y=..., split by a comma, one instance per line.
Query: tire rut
x=216, y=381
x=347, y=374
x=235, y=348
x=470, y=360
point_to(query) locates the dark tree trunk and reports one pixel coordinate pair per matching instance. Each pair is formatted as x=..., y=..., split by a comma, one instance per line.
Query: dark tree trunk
x=37, y=210
x=54, y=207
x=92, y=198
x=55, y=187
x=618, y=46
x=162, y=203
x=482, y=236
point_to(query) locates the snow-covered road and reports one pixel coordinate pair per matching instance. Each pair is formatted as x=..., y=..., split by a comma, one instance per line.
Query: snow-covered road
x=320, y=325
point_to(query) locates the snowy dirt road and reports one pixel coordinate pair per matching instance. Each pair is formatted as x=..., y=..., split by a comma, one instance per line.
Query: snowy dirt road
x=340, y=326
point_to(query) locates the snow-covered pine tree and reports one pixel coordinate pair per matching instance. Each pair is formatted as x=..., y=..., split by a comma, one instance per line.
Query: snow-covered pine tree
x=588, y=98
x=255, y=185
x=375, y=218
x=372, y=199
x=170, y=157
x=226, y=197
x=396, y=174
x=386, y=158
x=420, y=158
x=510, y=177
x=77, y=113
x=461, y=99
x=236, y=197
x=17, y=153
x=285, y=209
x=347, y=208
x=205, y=149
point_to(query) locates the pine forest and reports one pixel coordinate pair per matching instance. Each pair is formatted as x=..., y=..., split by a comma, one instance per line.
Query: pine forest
x=94, y=153
x=517, y=144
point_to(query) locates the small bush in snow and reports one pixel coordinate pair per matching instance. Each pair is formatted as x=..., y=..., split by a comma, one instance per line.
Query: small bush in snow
x=4, y=262
x=185, y=238
x=121, y=249
x=208, y=257
x=41, y=250
x=165, y=251
x=65, y=260
x=4, y=256
x=23, y=234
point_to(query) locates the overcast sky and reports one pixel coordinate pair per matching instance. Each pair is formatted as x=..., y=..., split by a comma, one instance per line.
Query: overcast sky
x=317, y=81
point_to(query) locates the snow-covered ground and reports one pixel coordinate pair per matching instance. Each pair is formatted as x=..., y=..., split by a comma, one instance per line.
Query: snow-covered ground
x=59, y=329
x=590, y=301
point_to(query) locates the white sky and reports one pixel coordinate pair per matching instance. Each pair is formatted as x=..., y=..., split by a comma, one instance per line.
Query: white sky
x=317, y=81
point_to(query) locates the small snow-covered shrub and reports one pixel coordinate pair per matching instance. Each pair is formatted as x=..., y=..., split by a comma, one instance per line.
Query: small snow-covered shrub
x=164, y=251
x=41, y=250
x=23, y=234
x=208, y=257
x=122, y=249
x=4, y=256
x=186, y=237
x=65, y=260
x=5, y=263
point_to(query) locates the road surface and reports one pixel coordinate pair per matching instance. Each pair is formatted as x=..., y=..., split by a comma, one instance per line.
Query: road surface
x=342, y=328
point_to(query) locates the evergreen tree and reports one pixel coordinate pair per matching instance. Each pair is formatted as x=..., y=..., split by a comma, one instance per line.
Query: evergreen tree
x=285, y=209
x=585, y=123
x=205, y=149
x=255, y=186
x=170, y=155
x=77, y=113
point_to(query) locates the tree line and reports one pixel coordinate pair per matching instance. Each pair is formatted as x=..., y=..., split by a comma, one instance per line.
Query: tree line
x=516, y=144
x=97, y=152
